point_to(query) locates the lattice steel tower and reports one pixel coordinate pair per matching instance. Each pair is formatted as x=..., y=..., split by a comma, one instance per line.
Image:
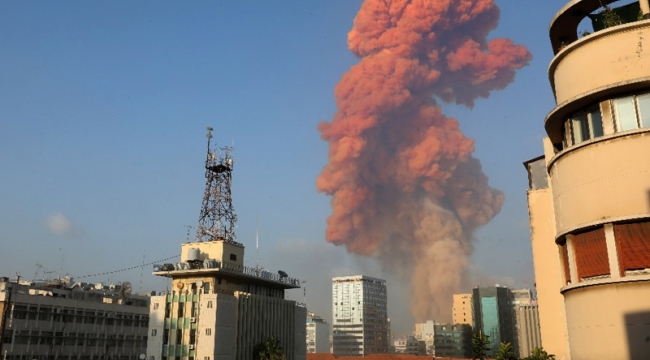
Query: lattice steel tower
x=217, y=219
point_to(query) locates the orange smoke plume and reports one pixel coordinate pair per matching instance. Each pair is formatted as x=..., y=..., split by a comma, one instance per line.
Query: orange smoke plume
x=404, y=185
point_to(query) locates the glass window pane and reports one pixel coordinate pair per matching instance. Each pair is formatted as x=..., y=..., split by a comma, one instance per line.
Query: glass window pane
x=568, y=138
x=625, y=114
x=595, y=123
x=644, y=109
x=578, y=122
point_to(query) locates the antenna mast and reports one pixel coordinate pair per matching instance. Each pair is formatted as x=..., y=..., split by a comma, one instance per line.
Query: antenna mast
x=217, y=218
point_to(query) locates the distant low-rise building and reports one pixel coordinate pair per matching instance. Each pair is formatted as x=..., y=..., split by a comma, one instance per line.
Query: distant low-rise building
x=410, y=346
x=318, y=334
x=62, y=319
x=453, y=340
x=425, y=332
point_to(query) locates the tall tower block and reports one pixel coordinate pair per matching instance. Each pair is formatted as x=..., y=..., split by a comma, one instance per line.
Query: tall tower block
x=589, y=196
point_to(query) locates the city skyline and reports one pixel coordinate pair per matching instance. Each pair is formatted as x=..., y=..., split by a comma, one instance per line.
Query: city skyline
x=102, y=137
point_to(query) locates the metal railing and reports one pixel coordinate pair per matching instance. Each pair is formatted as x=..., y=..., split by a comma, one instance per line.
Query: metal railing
x=226, y=266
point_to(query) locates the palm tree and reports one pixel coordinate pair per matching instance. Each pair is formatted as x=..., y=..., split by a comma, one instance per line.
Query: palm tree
x=540, y=354
x=269, y=349
x=505, y=352
x=480, y=345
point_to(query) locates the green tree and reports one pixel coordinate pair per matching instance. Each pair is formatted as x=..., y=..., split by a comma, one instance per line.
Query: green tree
x=269, y=349
x=480, y=345
x=540, y=354
x=506, y=352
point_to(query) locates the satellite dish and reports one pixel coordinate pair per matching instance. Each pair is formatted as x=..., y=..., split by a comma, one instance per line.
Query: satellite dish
x=142, y=356
x=282, y=274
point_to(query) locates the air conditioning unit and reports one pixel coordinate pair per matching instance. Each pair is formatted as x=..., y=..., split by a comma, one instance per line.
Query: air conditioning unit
x=192, y=347
x=192, y=319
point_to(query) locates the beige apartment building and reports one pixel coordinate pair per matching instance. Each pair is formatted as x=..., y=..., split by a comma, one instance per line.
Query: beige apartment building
x=62, y=319
x=462, y=309
x=218, y=309
x=589, y=196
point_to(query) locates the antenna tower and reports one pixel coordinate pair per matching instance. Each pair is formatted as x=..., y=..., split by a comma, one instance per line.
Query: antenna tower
x=217, y=219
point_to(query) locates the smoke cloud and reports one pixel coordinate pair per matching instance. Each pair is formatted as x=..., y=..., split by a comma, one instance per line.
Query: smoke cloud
x=404, y=185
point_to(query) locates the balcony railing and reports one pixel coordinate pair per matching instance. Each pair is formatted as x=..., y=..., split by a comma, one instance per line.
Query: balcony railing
x=227, y=267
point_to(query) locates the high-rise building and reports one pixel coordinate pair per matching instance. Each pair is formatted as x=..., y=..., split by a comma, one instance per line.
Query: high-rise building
x=360, y=316
x=61, y=319
x=462, y=309
x=589, y=199
x=318, y=334
x=219, y=309
x=493, y=315
x=453, y=340
x=425, y=332
x=526, y=322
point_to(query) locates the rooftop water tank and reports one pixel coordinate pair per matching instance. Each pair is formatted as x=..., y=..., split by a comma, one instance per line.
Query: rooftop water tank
x=193, y=254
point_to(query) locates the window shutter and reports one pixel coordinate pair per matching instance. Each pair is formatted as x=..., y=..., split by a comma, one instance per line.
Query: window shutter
x=591, y=253
x=633, y=245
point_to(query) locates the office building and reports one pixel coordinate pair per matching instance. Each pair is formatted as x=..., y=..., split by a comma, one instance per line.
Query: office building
x=526, y=316
x=493, y=315
x=462, y=309
x=62, y=319
x=360, y=316
x=318, y=334
x=589, y=201
x=425, y=332
x=453, y=340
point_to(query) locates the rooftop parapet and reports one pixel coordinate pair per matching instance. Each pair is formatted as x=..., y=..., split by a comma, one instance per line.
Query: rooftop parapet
x=231, y=269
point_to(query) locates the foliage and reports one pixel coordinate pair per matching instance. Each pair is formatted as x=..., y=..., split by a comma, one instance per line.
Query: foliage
x=610, y=17
x=480, y=345
x=540, y=354
x=269, y=349
x=506, y=352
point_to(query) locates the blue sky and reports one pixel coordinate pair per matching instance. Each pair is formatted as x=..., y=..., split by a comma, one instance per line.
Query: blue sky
x=103, y=109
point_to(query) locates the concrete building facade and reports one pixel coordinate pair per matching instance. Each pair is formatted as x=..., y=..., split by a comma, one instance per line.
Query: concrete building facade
x=526, y=322
x=425, y=332
x=493, y=315
x=360, y=323
x=66, y=320
x=318, y=334
x=462, y=309
x=453, y=340
x=221, y=310
x=589, y=197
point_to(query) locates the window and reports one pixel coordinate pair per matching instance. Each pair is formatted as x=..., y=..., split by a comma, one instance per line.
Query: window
x=155, y=306
x=632, y=112
x=206, y=288
x=591, y=253
x=633, y=246
x=584, y=125
x=208, y=331
x=233, y=257
x=154, y=332
x=209, y=304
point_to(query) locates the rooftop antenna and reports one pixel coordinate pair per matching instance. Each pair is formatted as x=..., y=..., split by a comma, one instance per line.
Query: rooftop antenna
x=189, y=228
x=257, y=243
x=217, y=218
